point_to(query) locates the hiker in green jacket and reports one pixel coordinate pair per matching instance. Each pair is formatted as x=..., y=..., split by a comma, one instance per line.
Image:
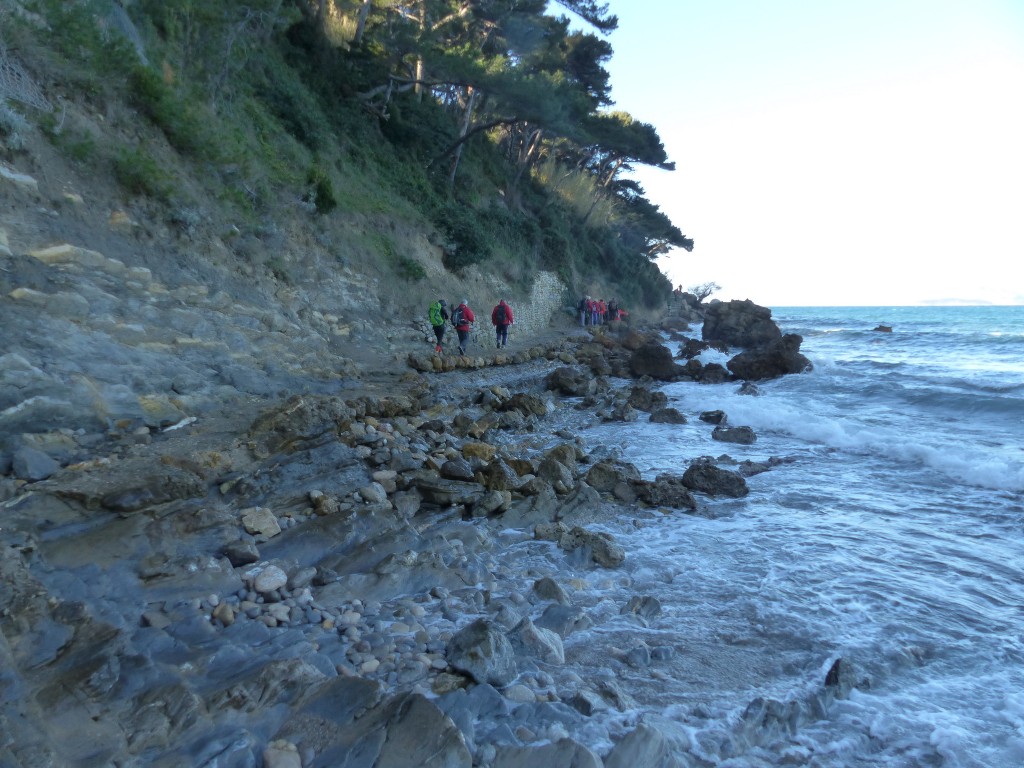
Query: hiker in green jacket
x=438, y=315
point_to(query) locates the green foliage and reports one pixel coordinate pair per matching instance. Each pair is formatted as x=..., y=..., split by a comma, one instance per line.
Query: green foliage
x=410, y=269
x=615, y=139
x=578, y=191
x=80, y=33
x=515, y=235
x=322, y=192
x=644, y=227
x=467, y=239
x=267, y=102
x=594, y=13
x=183, y=121
x=560, y=248
x=209, y=43
x=279, y=157
x=12, y=127
x=140, y=174
x=89, y=55
x=404, y=267
x=278, y=267
x=280, y=89
x=80, y=146
x=417, y=128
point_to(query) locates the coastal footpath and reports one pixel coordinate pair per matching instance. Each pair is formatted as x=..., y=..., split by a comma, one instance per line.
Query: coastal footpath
x=228, y=540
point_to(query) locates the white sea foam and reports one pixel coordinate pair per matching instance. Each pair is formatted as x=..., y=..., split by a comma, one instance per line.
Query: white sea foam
x=904, y=439
x=892, y=541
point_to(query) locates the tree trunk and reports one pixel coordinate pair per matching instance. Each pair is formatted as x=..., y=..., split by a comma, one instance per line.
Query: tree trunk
x=364, y=12
x=526, y=154
x=611, y=173
x=467, y=118
x=421, y=67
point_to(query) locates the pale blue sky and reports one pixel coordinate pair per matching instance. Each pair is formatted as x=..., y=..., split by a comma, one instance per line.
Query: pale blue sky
x=831, y=151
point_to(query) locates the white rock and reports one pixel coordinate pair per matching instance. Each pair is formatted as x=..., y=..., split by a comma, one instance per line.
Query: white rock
x=269, y=579
x=281, y=754
x=260, y=520
x=279, y=611
x=19, y=179
x=349, y=619
x=373, y=493
x=519, y=694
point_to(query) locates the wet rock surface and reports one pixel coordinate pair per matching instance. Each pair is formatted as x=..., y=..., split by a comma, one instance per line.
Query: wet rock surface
x=290, y=559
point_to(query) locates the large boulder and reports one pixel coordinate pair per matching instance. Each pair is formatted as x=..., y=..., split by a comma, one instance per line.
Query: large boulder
x=705, y=477
x=413, y=731
x=644, y=399
x=527, y=404
x=712, y=373
x=772, y=361
x=667, y=416
x=644, y=746
x=557, y=474
x=574, y=382
x=691, y=348
x=482, y=651
x=564, y=753
x=499, y=476
x=739, y=324
x=665, y=491
x=544, y=644
x=604, y=476
x=348, y=716
x=690, y=306
x=437, y=490
x=457, y=469
x=740, y=435
x=600, y=547
x=654, y=360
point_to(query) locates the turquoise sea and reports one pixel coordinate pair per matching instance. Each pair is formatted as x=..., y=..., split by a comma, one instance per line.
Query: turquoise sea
x=890, y=536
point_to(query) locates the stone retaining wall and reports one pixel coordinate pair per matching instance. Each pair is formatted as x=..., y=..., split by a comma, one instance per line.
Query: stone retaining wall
x=533, y=316
x=547, y=298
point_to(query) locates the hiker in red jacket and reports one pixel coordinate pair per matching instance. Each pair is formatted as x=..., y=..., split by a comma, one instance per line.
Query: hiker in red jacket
x=462, y=319
x=501, y=319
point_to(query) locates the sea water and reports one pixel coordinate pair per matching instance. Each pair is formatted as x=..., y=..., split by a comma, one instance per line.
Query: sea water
x=890, y=536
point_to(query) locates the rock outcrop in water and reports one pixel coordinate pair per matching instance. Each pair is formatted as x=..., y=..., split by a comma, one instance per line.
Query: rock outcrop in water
x=739, y=324
x=767, y=353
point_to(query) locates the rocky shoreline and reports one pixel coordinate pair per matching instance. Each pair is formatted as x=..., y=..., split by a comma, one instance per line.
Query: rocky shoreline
x=395, y=578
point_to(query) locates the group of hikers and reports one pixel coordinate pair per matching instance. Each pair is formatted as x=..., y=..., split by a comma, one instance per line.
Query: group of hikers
x=597, y=312
x=591, y=312
x=462, y=319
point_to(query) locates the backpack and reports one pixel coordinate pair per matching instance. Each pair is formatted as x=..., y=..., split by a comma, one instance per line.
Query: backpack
x=458, y=316
x=582, y=305
x=501, y=315
x=436, y=318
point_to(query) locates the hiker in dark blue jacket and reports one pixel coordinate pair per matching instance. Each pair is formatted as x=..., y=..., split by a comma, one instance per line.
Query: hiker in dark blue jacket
x=463, y=319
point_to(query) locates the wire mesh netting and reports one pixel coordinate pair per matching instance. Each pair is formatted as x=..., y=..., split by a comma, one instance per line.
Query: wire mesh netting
x=16, y=84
